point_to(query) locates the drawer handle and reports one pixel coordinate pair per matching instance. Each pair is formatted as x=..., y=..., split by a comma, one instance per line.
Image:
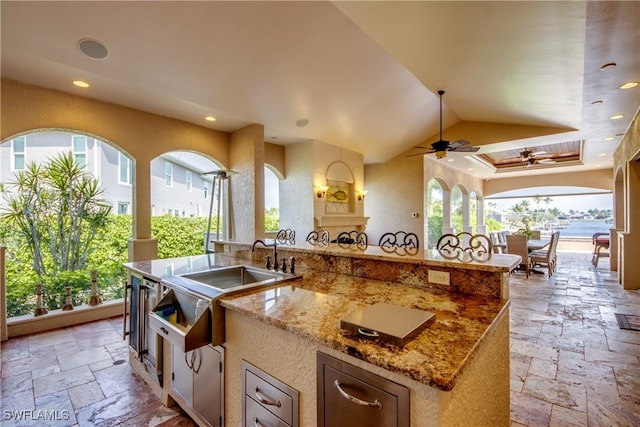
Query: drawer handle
x=368, y=333
x=256, y=422
x=377, y=404
x=265, y=400
x=163, y=329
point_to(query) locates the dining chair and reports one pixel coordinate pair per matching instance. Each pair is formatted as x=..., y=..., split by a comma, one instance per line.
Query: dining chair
x=600, y=243
x=517, y=245
x=546, y=257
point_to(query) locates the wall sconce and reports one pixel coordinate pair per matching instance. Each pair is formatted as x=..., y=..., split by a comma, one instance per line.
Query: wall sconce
x=321, y=191
x=361, y=195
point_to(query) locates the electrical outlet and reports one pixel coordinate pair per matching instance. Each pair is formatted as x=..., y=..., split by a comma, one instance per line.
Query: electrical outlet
x=439, y=277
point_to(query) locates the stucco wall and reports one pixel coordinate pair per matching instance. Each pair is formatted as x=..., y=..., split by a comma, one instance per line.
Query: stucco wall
x=626, y=160
x=395, y=190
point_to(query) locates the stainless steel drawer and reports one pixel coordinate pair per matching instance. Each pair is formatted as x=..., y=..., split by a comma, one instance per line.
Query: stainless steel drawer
x=351, y=396
x=258, y=416
x=272, y=395
x=177, y=319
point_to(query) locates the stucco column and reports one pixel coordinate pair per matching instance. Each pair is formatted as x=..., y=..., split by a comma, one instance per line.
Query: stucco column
x=482, y=228
x=246, y=156
x=466, y=223
x=630, y=243
x=446, y=212
x=142, y=246
x=3, y=295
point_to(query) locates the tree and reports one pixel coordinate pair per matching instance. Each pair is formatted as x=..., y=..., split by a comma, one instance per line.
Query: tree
x=56, y=207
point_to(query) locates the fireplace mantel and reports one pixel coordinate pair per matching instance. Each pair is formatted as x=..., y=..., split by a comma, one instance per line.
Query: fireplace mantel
x=339, y=223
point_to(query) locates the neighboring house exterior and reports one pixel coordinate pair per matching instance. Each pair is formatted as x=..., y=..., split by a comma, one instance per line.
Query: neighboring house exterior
x=178, y=187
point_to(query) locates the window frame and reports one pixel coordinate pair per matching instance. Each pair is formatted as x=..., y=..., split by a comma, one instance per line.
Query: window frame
x=14, y=154
x=168, y=174
x=129, y=167
x=188, y=180
x=77, y=153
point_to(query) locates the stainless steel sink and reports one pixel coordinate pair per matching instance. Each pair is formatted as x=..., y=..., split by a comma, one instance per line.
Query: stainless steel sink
x=238, y=277
x=189, y=315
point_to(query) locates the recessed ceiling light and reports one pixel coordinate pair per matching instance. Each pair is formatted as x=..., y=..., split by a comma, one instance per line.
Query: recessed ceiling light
x=628, y=85
x=608, y=65
x=602, y=154
x=80, y=83
x=302, y=122
x=609, y=138
x=93, y=48
x=617, y=117
x=210, y=119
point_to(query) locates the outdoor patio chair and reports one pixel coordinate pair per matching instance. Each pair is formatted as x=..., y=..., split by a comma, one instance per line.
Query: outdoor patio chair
x=600, y=243
x=546, y=257
x=517, y=245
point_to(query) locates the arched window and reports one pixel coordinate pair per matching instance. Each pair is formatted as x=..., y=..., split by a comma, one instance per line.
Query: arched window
x=271, y=200
x=473, y=212
x=434, y=212
x=101, y=177
x=457, y=210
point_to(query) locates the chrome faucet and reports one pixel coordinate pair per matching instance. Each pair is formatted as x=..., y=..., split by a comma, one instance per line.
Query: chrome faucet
x=274, y=245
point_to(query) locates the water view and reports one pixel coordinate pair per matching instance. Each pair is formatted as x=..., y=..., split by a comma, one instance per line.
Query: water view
x=584, y=228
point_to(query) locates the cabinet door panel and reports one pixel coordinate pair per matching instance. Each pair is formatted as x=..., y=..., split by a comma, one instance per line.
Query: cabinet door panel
x=182, y=375
x=207, y=384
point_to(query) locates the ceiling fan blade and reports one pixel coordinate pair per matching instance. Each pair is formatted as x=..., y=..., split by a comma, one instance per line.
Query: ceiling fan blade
x=465, y=149
x=546, y=161
x=535, y=153
x=420, y=154
x=455, y=144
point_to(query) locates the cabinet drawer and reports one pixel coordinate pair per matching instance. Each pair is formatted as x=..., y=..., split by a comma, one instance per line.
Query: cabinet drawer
x=257, y=416
x=269, y=396
x=348, y=395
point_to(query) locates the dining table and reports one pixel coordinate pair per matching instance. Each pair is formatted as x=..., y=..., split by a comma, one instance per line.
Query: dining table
x=537, y=244
x=532, y=245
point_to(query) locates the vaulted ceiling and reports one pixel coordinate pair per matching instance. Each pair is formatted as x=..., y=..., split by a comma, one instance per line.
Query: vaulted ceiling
x=361, y=75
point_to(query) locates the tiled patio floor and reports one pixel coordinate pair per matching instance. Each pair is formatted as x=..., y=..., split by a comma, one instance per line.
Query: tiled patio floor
x=78, y=376
x=570, y=363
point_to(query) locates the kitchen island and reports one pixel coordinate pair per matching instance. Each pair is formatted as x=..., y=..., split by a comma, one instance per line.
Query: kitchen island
x=456, y=370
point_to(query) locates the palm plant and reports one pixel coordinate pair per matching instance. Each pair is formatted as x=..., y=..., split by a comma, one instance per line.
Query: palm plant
x=56, y=207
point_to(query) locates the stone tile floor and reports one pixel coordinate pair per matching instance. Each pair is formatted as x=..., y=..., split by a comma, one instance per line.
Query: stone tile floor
x=570, y=363
x=77, y=376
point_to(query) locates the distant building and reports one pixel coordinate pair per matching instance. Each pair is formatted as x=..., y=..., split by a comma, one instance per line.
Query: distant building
x=178, y=187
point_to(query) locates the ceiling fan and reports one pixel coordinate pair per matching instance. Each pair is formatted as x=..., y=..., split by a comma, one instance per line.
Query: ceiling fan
x=440, y=147
x=532, y=157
